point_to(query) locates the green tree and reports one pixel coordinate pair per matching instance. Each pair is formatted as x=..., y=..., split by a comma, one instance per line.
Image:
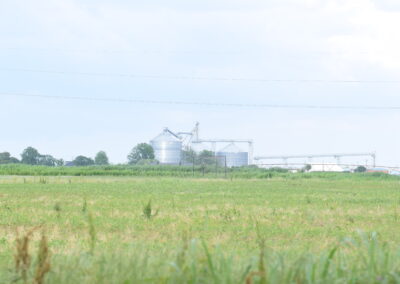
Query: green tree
x=83, y=161
x=142, y=151
x=206, y=157
x=189, y=156
x=206, y=154
x=14, y=160
x=101, y=159
x=48, y=160
x=360, y=169
x=30, y=156
x=5, y=158
x=60, y=162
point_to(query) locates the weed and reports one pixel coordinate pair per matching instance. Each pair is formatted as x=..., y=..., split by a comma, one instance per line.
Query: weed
x=148, y=211
x=261, y=273
x=57, y=208
x=7, y=207
x=210, y=262
x=230, y=214
x=92, y=234
x=181, y=256
x=84, y=206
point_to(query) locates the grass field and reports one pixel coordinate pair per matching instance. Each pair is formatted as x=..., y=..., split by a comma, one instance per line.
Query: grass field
x=276, y=230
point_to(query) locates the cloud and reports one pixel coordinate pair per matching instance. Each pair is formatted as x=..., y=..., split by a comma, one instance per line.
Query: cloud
x=372, y=38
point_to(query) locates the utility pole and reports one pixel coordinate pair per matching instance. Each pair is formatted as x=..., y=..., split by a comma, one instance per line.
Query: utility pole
x=193, y=163
x=216, y=166
x=225, y=166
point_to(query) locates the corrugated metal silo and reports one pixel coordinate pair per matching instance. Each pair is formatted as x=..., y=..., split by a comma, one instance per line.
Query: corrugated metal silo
x=167, y=148
x=235, y=157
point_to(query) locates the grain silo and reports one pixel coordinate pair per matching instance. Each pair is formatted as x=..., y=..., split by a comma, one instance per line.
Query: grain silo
x=167, y=148
x=235, y=157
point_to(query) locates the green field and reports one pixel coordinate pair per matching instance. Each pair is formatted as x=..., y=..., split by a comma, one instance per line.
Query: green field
x=341, y=229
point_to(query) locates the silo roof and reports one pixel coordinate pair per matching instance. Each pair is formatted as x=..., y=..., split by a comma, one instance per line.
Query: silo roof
x=231, y=148
x=166, y=136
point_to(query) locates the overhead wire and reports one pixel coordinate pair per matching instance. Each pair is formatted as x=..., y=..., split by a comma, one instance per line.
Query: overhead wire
x=200, y=78
x=207, y=104
x=143, y=51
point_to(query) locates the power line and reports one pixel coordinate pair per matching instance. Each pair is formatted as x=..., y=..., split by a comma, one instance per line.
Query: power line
x=130, y=51
x=209, y=104
x=192, y=51
x=200, y=78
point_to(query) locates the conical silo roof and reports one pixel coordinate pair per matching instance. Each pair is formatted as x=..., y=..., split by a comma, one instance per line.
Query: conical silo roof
x=166, y=136
x=231, y=148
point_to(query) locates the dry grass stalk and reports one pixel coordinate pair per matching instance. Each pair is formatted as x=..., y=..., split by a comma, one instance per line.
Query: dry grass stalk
x=22, y=257
x=43, y=264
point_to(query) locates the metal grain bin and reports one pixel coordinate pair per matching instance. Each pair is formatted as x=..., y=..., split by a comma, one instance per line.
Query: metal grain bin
x=234, y=156
x=167, y=148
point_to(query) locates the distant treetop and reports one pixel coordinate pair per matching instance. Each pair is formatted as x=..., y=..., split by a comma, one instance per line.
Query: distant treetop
x=101, y=159
x=83, y=161
x=142, y=151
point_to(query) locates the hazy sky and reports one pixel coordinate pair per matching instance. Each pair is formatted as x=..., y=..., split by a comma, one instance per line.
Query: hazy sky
x=275, y=39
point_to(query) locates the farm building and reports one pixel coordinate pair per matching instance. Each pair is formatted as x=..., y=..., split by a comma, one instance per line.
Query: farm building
x=328, y=168
x=379, y=170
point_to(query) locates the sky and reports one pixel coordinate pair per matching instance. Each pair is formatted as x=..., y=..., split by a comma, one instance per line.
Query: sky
x=162, y=41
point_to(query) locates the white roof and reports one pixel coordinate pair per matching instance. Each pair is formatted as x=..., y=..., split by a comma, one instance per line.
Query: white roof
x=231, y=148
x=326, y=168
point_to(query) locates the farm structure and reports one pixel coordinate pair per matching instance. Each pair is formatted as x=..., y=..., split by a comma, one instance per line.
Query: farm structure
x=168, y=147
x=234, y=156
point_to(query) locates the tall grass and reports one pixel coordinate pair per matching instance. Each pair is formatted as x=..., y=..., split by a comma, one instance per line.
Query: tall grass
x=23, y=270
x=103, y=230
x=176, y=171
x=360, y=260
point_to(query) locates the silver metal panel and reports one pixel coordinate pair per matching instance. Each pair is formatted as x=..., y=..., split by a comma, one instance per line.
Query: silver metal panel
x=234, y=156
x=235, y=159
x=167, y=148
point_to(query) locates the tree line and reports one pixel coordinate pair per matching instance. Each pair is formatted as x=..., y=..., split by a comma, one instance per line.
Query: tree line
x=141, y=153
